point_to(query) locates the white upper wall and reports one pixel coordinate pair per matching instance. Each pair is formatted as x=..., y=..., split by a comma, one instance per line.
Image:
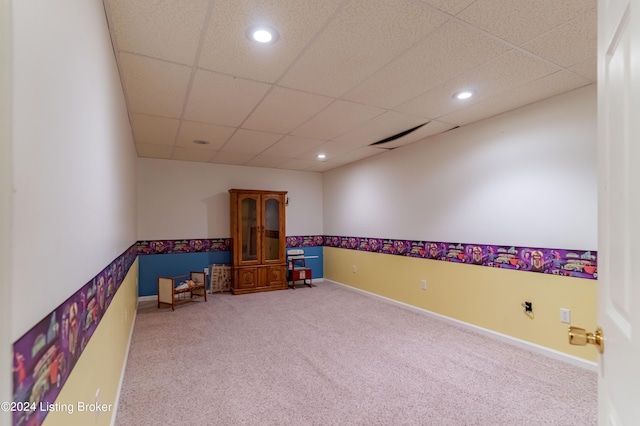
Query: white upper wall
x=6, y=203
x=180, y=199
x=526, y=178
x=74, y=206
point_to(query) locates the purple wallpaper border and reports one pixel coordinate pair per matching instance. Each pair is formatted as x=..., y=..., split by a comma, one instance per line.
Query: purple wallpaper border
x=572, y=263
x=202, y=245
x=45, y=355
x=306, y=241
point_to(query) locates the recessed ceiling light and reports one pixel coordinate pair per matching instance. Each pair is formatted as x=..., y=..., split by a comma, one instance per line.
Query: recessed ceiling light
x=262, y=34
x=321, y=156
x=201, y=142
x=463, y=95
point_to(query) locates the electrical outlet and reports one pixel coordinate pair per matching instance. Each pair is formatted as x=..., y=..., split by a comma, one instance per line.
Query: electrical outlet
x=565, y=315
x=424, y=284
x=355, y=269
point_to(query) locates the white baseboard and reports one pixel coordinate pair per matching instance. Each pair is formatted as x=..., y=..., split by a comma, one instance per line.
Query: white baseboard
x=147, y=298
x=124, y=368
x=551, y=353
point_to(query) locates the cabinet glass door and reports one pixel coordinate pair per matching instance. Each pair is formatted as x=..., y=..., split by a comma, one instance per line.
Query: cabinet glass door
x=272, y=229
x=249, y=231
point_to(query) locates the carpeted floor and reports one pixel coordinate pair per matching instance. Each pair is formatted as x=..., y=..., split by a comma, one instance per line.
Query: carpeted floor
x=331, y=356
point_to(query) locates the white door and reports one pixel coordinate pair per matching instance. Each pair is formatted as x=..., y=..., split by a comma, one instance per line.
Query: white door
x=619, y=210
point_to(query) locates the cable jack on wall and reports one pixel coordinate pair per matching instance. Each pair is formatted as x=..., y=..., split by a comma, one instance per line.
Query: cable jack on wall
x=528, y=309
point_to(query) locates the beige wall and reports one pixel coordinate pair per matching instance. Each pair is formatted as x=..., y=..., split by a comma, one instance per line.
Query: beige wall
x=100, y=367
x=490, y=298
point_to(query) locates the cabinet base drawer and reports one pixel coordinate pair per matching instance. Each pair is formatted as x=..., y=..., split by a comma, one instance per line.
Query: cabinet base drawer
x=255, y=279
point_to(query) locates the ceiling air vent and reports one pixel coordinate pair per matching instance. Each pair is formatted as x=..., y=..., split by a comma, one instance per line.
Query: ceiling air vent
x=396, y=136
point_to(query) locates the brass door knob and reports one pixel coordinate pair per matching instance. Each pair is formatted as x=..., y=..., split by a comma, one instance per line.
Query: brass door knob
x=579, y=337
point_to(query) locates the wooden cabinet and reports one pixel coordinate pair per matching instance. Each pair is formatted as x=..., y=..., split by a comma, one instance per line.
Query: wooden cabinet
x=258, y=234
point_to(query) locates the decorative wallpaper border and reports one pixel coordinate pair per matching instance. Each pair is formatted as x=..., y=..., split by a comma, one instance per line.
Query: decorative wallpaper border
x=203, y=245
x=306, y=241
x=44, y=356
x=572, y=263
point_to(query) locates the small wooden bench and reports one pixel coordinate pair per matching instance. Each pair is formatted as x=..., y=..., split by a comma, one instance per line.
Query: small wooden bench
x=169, y=295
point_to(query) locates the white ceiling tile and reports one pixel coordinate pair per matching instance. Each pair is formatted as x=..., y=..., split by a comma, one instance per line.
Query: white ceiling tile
x=336, y=119
x=452, y=7
x=193, y=154
x=169, y=29
x=154, y=151
x=363, y=37
x=282, y=110
x=510, y=70
x=250, y=141
x=266, y=161
x=216, y=135
x=572, y=43
x=588, y=68
x=521, y=21
x=554, y=84
x=330, y=149
x=154, y=87
x=236, y=158
x=292, y=146
x=447, y=52
x=324, y=166
x=226, y=48
x=380, y=127
x=148, y=129
x=435, y=127
x=297, y=164
x=430, y=129
x=221, y=99
x=351, y=72
x=358, y=154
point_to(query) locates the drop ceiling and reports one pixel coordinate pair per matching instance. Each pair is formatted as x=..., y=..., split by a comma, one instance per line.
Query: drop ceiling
x=344, y=73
